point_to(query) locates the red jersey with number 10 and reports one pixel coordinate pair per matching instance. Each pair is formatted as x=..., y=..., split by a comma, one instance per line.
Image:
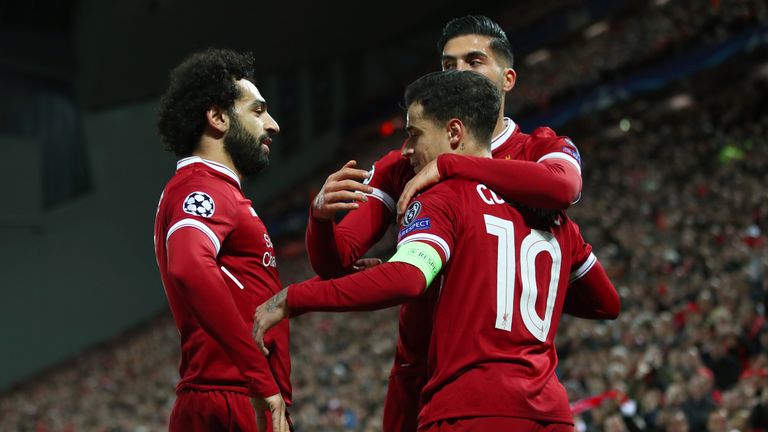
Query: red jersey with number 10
x=505, y=275
x=389, y=176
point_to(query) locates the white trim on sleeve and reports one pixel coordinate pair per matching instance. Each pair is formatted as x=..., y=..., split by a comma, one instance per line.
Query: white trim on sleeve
x=194, y=223
x=584, y=268
x=442, y=244
x=383, y=197
x=563, y=156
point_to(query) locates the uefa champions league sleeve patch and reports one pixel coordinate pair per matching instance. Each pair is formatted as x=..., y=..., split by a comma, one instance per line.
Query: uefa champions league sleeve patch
x=199, y=204
x=411, y=212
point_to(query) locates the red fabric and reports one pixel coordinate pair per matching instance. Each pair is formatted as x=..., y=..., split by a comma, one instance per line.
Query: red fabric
x=586, y=404
x=193, y=270
x=552, y=184
x=478, y=368
x=496, y=424
x=379, y=287
x=401, y=408
x=334, y=248
x=212, y=411
x=213, y=293
x=593, y=296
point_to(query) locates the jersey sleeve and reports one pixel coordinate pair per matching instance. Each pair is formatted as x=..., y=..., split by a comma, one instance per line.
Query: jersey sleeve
x=548, y=176
x=591, y=294
x=378, y=287
x=546, y=185
x=388, y=177
x=431, y=219
x=206, y=208
x=334, y=248
x=544, y=145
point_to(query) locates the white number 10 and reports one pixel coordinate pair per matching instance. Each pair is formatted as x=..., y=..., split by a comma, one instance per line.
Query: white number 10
x=533, y=244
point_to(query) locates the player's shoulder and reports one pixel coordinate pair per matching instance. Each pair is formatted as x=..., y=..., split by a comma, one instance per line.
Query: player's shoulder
x=545, y=134
x=544, y=139
x=390, y=173
x=198, y=192
x=193, y=178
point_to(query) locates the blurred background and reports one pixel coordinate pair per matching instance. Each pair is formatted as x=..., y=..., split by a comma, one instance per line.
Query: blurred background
x=666, y=100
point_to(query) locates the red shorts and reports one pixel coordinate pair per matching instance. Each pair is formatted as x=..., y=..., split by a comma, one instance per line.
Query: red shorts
x=401, y=408
x=484, y=424
x=203, y=411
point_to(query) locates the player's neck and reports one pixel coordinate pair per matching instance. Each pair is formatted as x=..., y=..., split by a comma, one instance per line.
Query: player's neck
x=214, y=151
x=471, y=148
x=500, y=125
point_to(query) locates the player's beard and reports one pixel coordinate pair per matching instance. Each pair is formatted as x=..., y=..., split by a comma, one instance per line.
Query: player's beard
x=245, y=148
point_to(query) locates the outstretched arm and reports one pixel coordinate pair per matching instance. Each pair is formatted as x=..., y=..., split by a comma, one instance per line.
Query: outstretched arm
x=379, y=287
x=550, y=184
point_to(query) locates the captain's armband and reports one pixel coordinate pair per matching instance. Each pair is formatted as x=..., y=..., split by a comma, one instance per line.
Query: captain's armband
x=421, y=255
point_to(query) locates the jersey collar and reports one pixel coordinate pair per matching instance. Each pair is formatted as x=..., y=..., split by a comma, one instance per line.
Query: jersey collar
x=211, y=164
x=509, y=128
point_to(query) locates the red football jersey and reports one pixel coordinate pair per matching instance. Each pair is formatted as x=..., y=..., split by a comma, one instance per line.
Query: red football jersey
x=333, y=248
x=214, y=294
x=504, y=280
x=388, y=178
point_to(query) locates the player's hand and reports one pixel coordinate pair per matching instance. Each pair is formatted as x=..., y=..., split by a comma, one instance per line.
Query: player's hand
x=428, y=176
x=340, y=192
x=276, y=407
x=267, y=315
x=365, y=263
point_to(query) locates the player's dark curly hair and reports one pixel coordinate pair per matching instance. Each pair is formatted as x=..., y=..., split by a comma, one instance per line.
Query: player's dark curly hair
x=466, y=95
x=203, y=80
x=479, y=25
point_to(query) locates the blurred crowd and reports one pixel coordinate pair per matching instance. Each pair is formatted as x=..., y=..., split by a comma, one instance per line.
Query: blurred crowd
x=676, y=206
x=677, y=209
x=610, y=49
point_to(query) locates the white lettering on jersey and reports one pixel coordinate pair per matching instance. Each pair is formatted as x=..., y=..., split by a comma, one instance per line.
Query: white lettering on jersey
x=488, y=196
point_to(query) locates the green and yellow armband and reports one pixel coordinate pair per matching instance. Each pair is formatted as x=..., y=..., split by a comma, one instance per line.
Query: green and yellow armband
x=421, y=255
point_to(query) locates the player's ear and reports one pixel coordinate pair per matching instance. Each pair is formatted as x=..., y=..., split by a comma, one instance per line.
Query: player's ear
x=510, y=78
x=217, y=118
x=455, y=132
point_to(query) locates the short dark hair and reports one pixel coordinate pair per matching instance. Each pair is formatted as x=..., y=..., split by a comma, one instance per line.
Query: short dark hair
x=203, y=80
x=466, y=95
x=479, y=25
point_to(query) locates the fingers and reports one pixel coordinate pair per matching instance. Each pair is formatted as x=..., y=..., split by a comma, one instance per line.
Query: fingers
x=258, y=332
x=349, y=172
x=277, y=408
x=346, y=185
x=343, y=195
x=279, y=422
x=405, y=198
x=259, y=337
x=365, y=263
x=427, y=177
